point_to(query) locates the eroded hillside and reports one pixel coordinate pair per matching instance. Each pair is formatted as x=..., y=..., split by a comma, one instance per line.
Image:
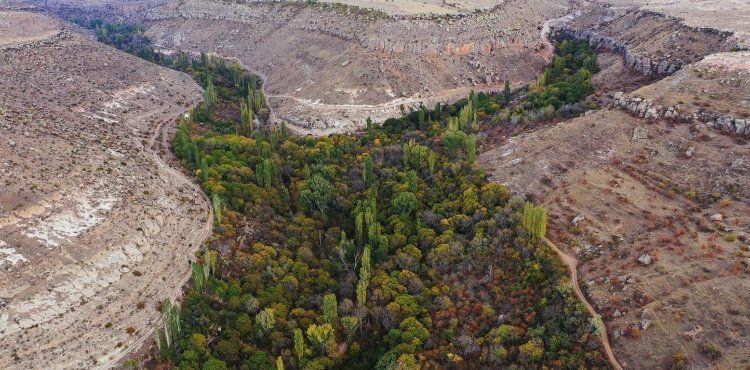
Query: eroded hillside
x=89, y=241
x=328, y=70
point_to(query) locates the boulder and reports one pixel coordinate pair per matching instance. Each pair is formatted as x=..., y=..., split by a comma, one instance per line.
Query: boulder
x=645, y=259
x=690, y=151
x=645, y=323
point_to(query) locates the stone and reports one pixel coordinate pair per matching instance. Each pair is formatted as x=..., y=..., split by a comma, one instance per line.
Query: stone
x=716, y=217
x=740, y=126
x=617, y=333
x=645, y=323
x=690, y=151
x=578, y=219
x=645, y=259
x=617, y=313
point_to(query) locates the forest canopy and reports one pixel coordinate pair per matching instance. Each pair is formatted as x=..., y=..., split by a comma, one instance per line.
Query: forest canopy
x=386, y=249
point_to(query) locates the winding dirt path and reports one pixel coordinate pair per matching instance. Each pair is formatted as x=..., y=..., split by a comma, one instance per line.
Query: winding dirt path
x=159, y=140
x=572, y=264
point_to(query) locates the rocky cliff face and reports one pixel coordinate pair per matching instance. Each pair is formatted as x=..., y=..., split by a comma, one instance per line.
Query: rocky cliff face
x=327, y=69
x=650, y=43
x=512, y=24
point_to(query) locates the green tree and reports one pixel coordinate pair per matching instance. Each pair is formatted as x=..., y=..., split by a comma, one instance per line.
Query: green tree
x=359, y=228
x=317, y=194
x=350, y=326
x=247, y=118
x=170, y=314
x=209, y=96
x=368, y=171
x=533, y=350
x=454, y=139
x=322, y=337
x=198, y=278
x=405, y=203
x=218, y=204
x=364, y=277
x=214, y=364
x=299, y=346
x=535, y=220
x=411, y=332
x=265, y=320
x=330, y=309
x=264, y=173
x=362, y=293
x=471, y=149
x=411, y=181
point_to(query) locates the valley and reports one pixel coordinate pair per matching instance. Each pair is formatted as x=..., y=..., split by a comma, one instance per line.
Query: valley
x=272, y=145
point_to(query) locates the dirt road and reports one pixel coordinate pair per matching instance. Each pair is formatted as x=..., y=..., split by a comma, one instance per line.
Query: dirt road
x=572, y=264
x=158, y=147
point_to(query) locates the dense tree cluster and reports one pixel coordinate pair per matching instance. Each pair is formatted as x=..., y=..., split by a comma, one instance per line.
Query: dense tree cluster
x=560, y=91
x=385, y=250
x=568, y=79
x=388, y=249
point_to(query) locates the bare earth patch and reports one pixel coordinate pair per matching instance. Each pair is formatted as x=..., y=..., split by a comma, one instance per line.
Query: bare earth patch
x=18, y=28
x=729, y=15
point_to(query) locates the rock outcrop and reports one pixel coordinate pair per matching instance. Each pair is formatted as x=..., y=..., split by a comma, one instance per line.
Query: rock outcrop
x=645, y=108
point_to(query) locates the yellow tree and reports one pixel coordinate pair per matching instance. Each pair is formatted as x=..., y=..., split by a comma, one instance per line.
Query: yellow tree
x=535, y=220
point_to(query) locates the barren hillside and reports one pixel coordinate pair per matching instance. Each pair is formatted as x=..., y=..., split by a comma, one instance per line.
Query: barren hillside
x=414, y=7
x=89, y=241
x=728, y=15
x=652, y=197
x=329, y=69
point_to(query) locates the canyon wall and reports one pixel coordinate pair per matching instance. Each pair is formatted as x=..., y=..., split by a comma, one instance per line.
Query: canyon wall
x=650, y=43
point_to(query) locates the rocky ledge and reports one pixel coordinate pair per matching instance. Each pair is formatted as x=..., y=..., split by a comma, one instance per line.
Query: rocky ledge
x=645, y=108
